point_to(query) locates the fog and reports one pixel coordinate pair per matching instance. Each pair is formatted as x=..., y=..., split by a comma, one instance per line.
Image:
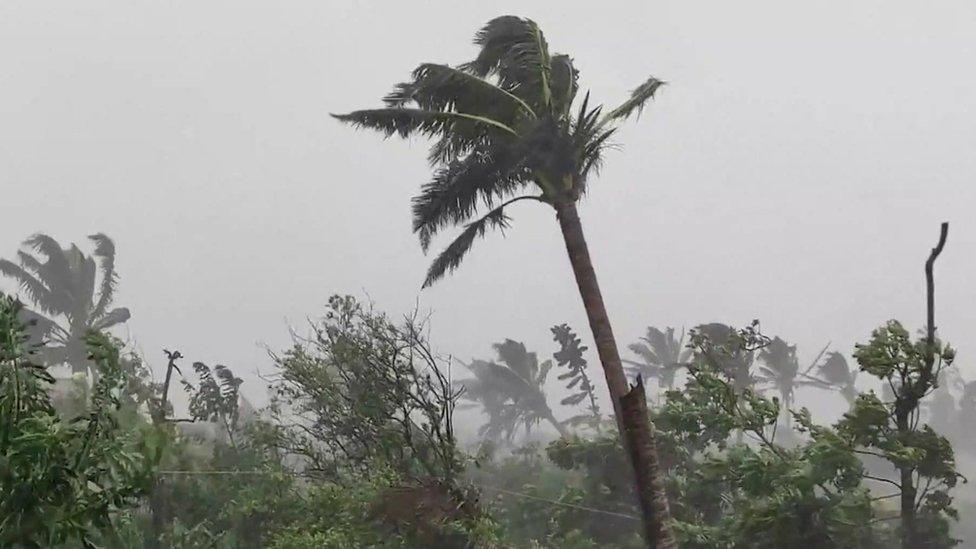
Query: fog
x=794, y=169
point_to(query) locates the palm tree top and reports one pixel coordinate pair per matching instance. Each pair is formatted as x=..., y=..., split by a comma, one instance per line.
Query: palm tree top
x=66, y=283
x=505, y=128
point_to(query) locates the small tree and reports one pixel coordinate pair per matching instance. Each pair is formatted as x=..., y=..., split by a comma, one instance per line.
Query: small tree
x=364, y=393
x=570, y=357
x=63, y=481
x=892, y=429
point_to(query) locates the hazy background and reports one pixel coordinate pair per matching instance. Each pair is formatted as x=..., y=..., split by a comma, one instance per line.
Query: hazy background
x=795, y=169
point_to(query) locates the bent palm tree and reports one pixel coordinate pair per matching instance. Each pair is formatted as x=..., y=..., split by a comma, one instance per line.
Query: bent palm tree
x=67, y=296
x=511, y=393
x=506, y=130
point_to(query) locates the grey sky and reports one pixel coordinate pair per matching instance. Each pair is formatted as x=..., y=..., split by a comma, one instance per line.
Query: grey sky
x=795, y=169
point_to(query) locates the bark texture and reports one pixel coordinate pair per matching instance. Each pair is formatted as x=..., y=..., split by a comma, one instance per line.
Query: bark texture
x=636, y=430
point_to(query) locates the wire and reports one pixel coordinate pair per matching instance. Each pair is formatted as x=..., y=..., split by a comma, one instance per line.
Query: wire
x=560, y=503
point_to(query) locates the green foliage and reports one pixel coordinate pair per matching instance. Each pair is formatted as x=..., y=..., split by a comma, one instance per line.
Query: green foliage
x=364, y=392
x=891, y=430
x=63, y=481
x=216, y=397
x=570, y=357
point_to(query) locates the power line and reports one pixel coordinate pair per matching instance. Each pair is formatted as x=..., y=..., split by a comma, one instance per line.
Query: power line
x=482, y=486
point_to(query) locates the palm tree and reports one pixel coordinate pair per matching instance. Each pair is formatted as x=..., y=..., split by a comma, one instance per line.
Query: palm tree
x=727, y=354
x=511, y=393
x=69, y=297
x=781, y=369
x=506, y=129
x=662, y=355
x=837, y=373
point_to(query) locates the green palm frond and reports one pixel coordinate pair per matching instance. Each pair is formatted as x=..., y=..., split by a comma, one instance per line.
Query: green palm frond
x=515, y=50
x=449, y=259
x=406, y=122
x=443, y=88
x=105, y=252
x=638, y=98
x=456, y=190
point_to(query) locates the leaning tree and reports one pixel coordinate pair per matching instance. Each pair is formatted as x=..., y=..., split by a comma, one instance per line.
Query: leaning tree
x=71, y=294
x=507, y=128
x=511, y=391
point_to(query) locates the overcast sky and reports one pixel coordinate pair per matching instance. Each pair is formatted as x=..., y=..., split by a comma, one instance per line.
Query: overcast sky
x=795, y=169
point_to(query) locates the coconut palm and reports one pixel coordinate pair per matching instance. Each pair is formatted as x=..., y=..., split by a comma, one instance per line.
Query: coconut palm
x=512, y=393
x=838, y=374
x=70, y=293
x=780, y=368
x=662, y=355
x=507, y=128
x=728, y=355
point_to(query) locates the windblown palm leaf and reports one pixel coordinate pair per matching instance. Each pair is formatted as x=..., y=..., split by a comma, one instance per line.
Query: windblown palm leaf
x=500, y=124
x=70, y=293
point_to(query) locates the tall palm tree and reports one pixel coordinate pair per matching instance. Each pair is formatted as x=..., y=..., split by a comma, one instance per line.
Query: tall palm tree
x=781, y=368
x=662, y=355
x=507, y=128
x=68, y=295
x=512, y=393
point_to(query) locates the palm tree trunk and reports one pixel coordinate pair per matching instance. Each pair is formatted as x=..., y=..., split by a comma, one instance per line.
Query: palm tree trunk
x=636, y=430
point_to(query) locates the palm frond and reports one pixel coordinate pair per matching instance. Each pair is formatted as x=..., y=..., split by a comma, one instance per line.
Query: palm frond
x=564, y=83
x=451, y=257
x=84, y=287
x=406, y=122
x=456, y=190
x=50, y=249
x=36, y=291
x=515, y=50
x=105, y=252
x=638, y=98
x=443, y=88
x=111, y=318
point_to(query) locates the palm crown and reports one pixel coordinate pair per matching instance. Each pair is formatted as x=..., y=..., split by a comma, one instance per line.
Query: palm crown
x=504, y=126
x=69, y=297
x=511, y=393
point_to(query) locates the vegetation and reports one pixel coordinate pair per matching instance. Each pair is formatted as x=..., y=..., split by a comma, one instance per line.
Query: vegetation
x=359, y=444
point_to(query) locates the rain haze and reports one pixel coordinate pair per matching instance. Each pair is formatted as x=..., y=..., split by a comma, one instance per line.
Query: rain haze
x=794, y=169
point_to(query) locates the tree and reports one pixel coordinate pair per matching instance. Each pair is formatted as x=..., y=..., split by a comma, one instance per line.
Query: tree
x=570, y=357
x=70, y=299
x=503, y=124
x=892, y=429
x=781, y=369
x=512, y=393
x=364, y=394
x=63, y=481
x=722, y=348
x=662, y=356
